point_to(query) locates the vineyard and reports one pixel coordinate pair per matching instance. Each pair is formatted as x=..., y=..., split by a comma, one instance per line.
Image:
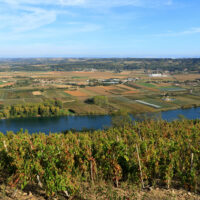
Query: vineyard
x=149, y=153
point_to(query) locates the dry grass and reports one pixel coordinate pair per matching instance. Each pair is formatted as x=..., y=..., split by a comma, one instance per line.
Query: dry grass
x=107, y=90
x=184, y=77
x=7, y=84
x=125, y=87
x=96, y=74
x=61, y=86
x=36, y=93
x=163, y=84
x=101, y=192
x=131, y=92
x=101, y=90
x=147, y=88
x=129, y=192
x=76, y=93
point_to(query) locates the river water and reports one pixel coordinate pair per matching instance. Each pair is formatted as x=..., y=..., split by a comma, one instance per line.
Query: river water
x=58, y=124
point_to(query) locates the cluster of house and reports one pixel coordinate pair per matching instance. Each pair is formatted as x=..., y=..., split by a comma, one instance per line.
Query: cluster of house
x=110, y=81
x=43, y=82
x=113, y=81
x=167, y=99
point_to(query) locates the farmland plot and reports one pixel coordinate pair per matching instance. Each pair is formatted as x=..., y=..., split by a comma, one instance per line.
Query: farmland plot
x=9, y=102
x=172, y=89
x=158, y=102
x=76, y=93
x=98, y=90
x=129, y=105
x=33, y=100
x=56, y=93
x=148, y=104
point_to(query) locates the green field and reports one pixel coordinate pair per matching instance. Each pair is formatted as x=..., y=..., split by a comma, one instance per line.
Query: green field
x=146, y=84
x=129, y=105
x=64, y=86
x=116, y=100
x=10, y=97
x=158, y=102
x=80, y=77
x=56, y=93
x=171, y=89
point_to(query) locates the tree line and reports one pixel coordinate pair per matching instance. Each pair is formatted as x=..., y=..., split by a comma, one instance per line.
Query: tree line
x=116, y=64
x=46, y=108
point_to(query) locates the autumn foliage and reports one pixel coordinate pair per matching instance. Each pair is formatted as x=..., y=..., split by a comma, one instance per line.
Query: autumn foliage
x=144, y=153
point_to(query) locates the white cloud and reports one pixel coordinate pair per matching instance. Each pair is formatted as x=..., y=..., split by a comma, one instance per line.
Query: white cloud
x=181, y=33
x=67, y=33
x=116, y=3
x=44, y=2
x=72, y=2
x=27, y=18
x=25, y=15
x=89, y=3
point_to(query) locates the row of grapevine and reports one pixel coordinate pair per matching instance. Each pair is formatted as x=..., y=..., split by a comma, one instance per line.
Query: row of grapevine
x=144, y=153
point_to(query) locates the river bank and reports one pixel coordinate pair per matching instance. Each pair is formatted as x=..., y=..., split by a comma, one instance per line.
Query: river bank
x=95, y=122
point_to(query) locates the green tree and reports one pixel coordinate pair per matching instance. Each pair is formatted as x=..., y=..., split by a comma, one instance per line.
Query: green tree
x=100, y=100
x=121, y=118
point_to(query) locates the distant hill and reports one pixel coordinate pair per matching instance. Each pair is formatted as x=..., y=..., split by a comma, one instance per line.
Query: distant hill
x=79, y=64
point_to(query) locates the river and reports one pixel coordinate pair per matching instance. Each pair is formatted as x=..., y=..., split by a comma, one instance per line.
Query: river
x=58, y=124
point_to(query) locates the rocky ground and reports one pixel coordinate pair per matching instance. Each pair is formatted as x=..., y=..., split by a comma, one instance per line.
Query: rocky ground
x=102, y=193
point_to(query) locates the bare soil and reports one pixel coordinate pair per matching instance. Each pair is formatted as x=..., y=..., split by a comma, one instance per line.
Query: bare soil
x=101, y=192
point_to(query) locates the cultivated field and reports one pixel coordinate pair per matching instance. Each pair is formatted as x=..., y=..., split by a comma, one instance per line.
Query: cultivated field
x=75, y=88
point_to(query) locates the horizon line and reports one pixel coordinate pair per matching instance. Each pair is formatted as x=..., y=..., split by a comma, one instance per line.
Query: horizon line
x=101, y=57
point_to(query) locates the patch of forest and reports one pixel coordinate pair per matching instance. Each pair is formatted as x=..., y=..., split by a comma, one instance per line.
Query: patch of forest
x=44, y=109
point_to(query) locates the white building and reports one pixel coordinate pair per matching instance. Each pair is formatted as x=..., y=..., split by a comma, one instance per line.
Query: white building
x=157, y=75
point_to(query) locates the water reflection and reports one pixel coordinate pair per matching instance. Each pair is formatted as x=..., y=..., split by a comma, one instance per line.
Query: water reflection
x=58, y=124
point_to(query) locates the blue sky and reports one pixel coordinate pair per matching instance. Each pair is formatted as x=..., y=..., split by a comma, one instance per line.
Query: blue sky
x=99, y=28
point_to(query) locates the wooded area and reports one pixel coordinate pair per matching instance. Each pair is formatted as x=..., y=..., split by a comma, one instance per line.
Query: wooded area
x=47, y=108
x=117, y=64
